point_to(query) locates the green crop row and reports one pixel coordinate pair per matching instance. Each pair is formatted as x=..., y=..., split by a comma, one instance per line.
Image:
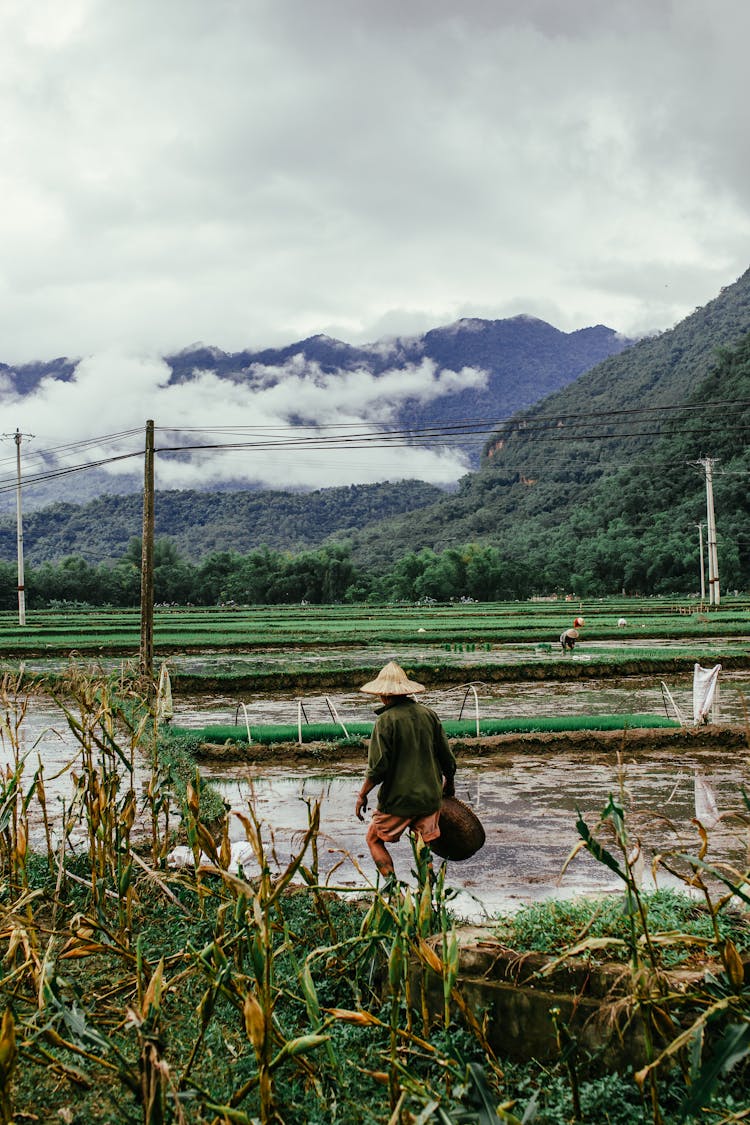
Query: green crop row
x=321, y=627
x=269, y=733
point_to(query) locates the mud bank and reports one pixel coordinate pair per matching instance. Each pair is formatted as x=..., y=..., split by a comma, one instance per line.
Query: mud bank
x=732, y=737
x=437, y=675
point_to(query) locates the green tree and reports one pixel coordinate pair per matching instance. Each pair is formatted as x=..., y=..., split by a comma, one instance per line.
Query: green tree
x=213, y=577
x=8, y=586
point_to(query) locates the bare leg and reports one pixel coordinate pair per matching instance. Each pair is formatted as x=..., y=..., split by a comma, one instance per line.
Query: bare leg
x=379, y=853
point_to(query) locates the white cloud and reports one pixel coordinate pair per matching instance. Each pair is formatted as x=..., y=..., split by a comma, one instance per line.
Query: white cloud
x=275, y=413
x=254, y=173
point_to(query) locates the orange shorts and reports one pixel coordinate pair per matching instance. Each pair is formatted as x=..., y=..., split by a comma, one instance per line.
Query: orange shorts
x=386, y=826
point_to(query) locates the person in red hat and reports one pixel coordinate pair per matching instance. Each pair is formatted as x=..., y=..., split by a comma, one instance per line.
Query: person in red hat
x=410, y=759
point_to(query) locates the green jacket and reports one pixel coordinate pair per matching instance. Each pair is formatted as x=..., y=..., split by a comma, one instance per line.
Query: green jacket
x=409, y=756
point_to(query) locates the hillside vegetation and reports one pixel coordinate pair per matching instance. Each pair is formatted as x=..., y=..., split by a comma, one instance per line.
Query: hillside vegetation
x=596, y=488
x=199, y=523
x=600, y=488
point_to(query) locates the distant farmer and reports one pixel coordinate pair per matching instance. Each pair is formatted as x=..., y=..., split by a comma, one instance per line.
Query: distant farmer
x=570, y=636
x=409, y=758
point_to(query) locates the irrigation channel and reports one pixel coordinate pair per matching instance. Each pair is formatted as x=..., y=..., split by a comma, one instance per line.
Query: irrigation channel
x=527, y=800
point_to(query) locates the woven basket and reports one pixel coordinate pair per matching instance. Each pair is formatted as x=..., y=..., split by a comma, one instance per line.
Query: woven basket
x=461, y=831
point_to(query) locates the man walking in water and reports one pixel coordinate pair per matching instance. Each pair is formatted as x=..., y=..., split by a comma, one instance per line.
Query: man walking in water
x=409, y=758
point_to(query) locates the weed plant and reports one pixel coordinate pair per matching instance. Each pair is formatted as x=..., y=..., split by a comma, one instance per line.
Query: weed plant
x=702, y=1032
x=134, y=993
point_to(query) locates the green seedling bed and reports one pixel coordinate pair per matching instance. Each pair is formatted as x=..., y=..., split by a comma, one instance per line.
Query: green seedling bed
x=454, y=728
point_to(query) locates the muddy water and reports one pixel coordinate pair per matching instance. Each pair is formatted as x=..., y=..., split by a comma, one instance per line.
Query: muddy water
x=633, y=695
x=321, y=657
x=44, y=739
x=528, y=803
x=529, y=806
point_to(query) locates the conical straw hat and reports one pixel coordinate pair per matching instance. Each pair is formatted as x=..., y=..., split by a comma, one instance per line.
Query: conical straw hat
x=392, y=680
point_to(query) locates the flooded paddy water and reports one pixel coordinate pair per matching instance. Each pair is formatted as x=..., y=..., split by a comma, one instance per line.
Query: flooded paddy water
x=528, y=802
x=628, y=695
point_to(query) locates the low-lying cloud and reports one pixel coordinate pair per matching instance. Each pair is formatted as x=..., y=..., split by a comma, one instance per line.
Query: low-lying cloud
x=287, y=427
x=251, y=173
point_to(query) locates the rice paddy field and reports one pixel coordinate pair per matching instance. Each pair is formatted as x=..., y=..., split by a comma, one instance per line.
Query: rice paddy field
x=140, y=989
x=247, y=628
x=289, y=647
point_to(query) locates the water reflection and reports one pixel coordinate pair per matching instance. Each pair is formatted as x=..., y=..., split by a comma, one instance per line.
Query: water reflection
x=528, y=805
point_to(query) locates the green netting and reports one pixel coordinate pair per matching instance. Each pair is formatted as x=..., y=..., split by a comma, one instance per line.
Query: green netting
x=334, y=732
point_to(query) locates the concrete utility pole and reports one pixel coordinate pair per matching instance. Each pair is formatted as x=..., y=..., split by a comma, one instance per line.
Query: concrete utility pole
x=714, y=596
x=19, y=533
x=703, y=568
x=147, y=562
x=18, y=437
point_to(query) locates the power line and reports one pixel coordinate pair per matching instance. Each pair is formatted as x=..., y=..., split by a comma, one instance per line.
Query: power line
x=54, y=473
x=75, y=446
x=468, y=427
x=358, y=435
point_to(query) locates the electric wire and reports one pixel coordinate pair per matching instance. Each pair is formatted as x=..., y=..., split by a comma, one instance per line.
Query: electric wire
x=358, y=435
x=55, y=473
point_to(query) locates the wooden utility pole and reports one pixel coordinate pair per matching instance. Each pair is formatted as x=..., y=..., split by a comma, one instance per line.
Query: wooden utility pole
x=18, y=437
x=147, y=562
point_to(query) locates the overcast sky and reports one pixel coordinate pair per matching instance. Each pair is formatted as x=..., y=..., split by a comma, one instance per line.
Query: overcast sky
x=250, y=172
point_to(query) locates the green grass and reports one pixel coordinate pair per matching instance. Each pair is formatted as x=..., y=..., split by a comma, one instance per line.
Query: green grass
x=550, y=926
x=250, y=627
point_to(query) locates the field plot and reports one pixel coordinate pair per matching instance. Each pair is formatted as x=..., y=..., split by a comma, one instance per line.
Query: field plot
x=519, y=700
x=304, y=645
x=118, y=798
x=492, y=623
x=526, y=799
x=528, y=804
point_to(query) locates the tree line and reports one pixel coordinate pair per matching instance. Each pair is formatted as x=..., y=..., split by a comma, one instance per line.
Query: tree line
x=265, y=577
x=663, y=560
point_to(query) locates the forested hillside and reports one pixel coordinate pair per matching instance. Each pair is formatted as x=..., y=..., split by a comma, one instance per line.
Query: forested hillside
x=597, y=489
x=198, y=523
x=593, y=488
x=634, y=530
x=658, y=372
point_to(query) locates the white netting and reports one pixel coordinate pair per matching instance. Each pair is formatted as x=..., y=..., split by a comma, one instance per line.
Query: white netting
x=705, y=685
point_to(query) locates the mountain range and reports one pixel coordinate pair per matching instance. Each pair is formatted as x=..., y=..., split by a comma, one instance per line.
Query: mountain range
x=599, y=482
x=476, y=371
x=524, y=359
